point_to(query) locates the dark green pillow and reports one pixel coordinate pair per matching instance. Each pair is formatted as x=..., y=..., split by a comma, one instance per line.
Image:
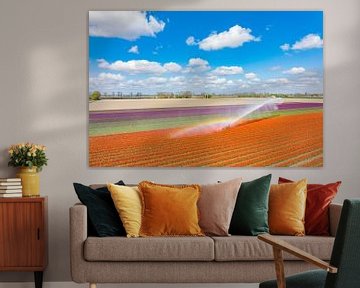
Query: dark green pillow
x=103, y=218
x=250, y=216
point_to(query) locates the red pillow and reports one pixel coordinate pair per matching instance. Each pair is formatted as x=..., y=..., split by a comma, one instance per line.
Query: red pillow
x=318, y=200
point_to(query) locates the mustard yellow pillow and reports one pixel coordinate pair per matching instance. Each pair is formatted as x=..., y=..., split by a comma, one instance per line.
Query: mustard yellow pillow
x=169, y=210
x=127, y=201
x=287, y=204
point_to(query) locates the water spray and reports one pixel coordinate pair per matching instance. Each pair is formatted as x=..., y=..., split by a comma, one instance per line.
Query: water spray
x=234, y=117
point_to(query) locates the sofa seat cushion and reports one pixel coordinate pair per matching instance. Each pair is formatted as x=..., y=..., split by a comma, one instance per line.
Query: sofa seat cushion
x=245, y=248
x=149, y=249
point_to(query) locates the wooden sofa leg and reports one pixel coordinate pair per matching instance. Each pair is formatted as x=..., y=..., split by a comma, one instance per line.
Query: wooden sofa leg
x=92, y=285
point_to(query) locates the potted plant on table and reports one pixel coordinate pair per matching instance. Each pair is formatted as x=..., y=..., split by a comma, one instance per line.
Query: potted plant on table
x=30, y=158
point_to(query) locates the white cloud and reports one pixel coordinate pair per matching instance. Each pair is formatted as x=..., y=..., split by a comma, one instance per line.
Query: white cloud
x=102, y=63
x=134, y=49
x=133, y=66
x=190, y=41
x=172, y=67
x=228, y=70
x=196, y=65
x=197, y=62
x=277, y=81
x=214, y=80
x=285, y=47
x=129, y=25
x=309, y=80
x=156, y=84
x=111, y=76
x=250, y=76
x=107, y=82
x=209, y=83
x=155, y=80
x=147, y=82
x=309, y=41
x=295, y=70
x=235, y=37
x=179, y=80
x=139, y=66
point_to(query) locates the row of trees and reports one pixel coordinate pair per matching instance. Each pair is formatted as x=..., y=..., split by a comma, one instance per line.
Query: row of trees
x=184, y=94
x=96, y=95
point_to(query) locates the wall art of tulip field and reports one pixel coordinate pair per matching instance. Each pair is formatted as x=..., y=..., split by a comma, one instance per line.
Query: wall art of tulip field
x=241, y=89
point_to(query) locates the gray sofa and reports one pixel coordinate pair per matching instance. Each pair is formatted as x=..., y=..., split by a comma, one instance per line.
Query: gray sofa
x=234, y=259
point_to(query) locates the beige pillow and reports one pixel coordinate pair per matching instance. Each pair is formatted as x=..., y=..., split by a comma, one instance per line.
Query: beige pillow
x=216, y=206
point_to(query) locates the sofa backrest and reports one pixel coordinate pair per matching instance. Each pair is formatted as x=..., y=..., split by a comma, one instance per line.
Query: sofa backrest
x=334, y=210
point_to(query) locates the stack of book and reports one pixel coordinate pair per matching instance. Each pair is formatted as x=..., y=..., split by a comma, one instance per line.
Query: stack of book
x=10, y=187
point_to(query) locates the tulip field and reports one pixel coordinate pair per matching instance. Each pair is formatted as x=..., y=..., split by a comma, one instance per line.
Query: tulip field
x=290, y=135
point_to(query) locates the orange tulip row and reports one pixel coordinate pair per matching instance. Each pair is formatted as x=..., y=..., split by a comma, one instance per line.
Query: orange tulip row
x=292, y=140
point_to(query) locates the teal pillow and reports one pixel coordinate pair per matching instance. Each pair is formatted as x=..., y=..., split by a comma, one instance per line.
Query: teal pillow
x=250, y=216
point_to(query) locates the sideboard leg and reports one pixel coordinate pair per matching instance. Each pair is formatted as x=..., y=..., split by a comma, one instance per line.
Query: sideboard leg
x=38, y=279
x=92, y=285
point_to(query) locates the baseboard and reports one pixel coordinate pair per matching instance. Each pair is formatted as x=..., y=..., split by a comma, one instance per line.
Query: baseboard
x=74, y=285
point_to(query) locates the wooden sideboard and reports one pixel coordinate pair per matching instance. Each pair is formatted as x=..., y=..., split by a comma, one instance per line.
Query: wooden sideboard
x=23, y=235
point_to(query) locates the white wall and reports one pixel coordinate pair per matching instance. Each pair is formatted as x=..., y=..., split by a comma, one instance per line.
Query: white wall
x=43, y=86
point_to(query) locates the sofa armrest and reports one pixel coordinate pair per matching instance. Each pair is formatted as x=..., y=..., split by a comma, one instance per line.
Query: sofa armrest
x=78, y=235
x=334, y=216
x=284, y=246
x=279, y=246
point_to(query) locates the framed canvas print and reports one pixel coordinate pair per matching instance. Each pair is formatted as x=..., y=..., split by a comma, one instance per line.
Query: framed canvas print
x=205, y=89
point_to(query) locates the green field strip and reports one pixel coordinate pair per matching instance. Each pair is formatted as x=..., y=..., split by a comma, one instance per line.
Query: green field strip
x=128, y=126
x=284, y=113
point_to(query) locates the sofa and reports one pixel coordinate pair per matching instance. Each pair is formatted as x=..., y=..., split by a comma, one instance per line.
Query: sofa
x=233, y=259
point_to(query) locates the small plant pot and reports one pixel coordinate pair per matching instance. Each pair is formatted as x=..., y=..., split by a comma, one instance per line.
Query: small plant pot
x=30, y=181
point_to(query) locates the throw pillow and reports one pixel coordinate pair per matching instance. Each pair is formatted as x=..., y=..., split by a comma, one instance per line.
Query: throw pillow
x=102, y=215
x=216, y=206
x=318, y=200
x=250, y=215
x=287, y=204
x=169, y=210
x=127, y=201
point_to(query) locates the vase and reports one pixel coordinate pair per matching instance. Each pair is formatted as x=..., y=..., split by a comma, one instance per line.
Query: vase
x=30, y=181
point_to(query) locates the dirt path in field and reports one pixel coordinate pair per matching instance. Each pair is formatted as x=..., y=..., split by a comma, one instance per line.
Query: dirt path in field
x=120, y=104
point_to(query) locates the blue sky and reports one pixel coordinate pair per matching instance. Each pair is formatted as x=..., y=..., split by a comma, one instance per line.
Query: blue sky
x=211, y=52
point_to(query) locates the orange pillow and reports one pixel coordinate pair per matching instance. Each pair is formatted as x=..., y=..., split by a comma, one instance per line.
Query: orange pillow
x=169, y=210
x=287, y=203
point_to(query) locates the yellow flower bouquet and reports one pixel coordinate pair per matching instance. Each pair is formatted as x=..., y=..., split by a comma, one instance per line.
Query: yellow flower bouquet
x=27, y=155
